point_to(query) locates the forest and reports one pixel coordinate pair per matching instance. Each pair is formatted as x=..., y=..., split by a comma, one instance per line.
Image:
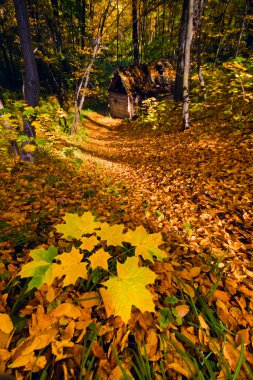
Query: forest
x=126, y=193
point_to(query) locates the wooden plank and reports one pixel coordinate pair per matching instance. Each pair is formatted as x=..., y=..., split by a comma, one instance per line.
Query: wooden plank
x=118, y=105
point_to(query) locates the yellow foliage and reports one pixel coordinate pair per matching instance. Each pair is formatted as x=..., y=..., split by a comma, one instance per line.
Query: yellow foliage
x=129, y=288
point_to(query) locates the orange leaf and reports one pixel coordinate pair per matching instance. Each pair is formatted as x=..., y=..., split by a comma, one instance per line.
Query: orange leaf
x=231, y=354
x=6, y=324
x=223, y=296
x=182, y=310
x=179, y=369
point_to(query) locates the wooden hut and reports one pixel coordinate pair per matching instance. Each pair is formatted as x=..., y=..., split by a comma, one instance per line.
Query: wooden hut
x=132, y=84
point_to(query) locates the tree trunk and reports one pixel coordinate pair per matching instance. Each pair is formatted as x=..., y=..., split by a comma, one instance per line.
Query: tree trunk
x=117, y=26
x=83, y=85
x=135, y=32
x=178, y=94
x=7, y=125
x=242, y=28
x=79, y=100
x=55, y=25
x=187, y=63
x=198, y=26
x=31, y=79
x=225, y=5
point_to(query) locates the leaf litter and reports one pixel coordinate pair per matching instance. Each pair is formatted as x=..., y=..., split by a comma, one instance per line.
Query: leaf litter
x=194, y=188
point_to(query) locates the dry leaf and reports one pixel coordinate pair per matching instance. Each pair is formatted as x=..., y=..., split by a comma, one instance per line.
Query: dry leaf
x=179, y=369
x=6, y=324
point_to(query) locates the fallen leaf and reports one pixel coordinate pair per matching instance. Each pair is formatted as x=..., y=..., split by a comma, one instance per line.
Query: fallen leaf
x=89, y=243
x=76, y=226
x=89, y=299
x=58, y=348
x=146, y=244
x=30, y=362
x=68, y=310
x=40, y=269
x=113, y=235
x=6, y=324
x=99, y=259
x=242, y=337
x=71, y=267
x=179, y=369
x=231, y=354
x=182, y=310
x=223, y=296
x=129, y=288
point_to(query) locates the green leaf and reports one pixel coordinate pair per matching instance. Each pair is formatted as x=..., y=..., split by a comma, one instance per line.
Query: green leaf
x=40, y=269
x=171, y=300
x=166, y=317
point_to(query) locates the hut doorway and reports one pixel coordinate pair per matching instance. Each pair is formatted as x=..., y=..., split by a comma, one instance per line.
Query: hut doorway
x=119, y=100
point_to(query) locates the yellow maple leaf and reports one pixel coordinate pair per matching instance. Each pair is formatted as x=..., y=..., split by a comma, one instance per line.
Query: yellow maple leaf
x=112, y=234
x=89, y=243
x=146, y=244
x=129, y=288
x=99, y=259
x=29, y=147
x=76, y=226
x=71, y=267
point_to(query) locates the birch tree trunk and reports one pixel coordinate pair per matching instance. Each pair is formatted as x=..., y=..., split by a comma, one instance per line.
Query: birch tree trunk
x=198, y=27
x=187, y=63
x=242, y=28
x=80, y=95
x=135, y=32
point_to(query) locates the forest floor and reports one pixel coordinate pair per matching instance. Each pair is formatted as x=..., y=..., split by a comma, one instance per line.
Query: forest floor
x=195, y=187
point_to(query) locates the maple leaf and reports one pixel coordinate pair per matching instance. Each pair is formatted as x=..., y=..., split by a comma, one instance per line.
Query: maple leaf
x=146, y=244
x=112, y=234
x=40, y=269
x=129, y=288
x=71, y=267
x=76, y=226
x=99, y=259
x=89, y=243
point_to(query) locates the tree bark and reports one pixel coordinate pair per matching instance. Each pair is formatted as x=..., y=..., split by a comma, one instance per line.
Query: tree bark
x=242, y=28
x=178, y=93
x=7, y=125
x=135, y=32
x=79, y=100
x=198, y=27
x=225, y=5
x=187, y=63
x=31, y=78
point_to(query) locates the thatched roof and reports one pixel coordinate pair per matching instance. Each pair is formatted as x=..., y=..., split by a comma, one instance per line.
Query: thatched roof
x=146, y=79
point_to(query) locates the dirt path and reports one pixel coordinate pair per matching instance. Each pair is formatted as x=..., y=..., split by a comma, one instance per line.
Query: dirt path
x=179, y=183
x=108, y=148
